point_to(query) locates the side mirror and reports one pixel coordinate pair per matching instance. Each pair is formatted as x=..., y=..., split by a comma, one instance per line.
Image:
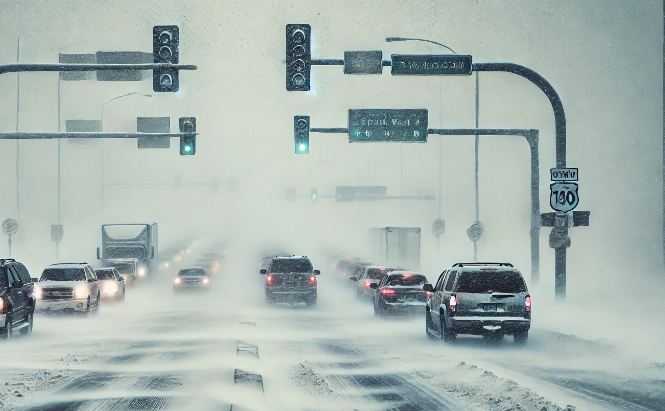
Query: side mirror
x=353, y=278
x=373, y=286
x=317, y=272
x=99, y=254
x=34, y=280
x=428, y=287
x=263, y=271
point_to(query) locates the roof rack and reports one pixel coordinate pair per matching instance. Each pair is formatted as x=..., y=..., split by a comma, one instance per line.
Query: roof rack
x=476, y=264
x=69, y=263
x=7, y=259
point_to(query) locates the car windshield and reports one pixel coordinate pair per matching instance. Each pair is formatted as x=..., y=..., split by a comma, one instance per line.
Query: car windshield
x=63, y=274
x=291, y=265
x=377, y=273
x=105, y=274
x=192, y=272
x=406, y=280
x=492, y=281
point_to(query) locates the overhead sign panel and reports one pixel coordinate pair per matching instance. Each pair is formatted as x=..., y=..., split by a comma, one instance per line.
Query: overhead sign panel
x=379, y=125
x=430, y=65
x=359, y=193
x=153, y=125
x=122, y=57
x=363, y=62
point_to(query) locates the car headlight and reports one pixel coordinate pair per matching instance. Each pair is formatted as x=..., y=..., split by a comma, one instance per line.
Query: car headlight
x=110, y=288
x=81, y=291
x=142, y=271
x=206, y=280
x=38, y=292
x=177, y=281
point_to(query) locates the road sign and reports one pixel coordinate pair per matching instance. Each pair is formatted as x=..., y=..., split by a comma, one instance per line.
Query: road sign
x=564, y=174
x=122, y=57
x=57, y=232
x=564, y=196
x=559, y=238
x=475, y=231
x=372, y=125
x=153, y=125
x=354, y=193
x=10, y=226
x=430, y=64
x=438, y=226
x=76, y=59
x=575, y=219
x=363, y=62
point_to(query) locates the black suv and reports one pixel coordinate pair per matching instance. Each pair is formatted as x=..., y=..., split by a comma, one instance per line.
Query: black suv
x=489, y=299
x=291, y=279
x=17, y=299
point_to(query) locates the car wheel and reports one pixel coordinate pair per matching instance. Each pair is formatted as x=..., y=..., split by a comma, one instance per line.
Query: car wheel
x=446, y=335
x=428, y=325
x=29, y=318
x=521, y=338
x=7, y=332
x=310, y=302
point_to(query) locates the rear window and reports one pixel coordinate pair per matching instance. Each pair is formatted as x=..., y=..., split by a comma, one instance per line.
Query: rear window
x=290, y=265
x=491, y=281
x=105, y=274
x=377, y=273
x=63, y=274
x=192, y=272
x=406, y=280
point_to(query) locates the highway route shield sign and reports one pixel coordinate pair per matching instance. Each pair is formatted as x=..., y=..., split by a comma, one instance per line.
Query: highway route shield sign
x=564, y=196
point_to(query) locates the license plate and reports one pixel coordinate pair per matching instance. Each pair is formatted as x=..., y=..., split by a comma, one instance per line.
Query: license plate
x=489, y=307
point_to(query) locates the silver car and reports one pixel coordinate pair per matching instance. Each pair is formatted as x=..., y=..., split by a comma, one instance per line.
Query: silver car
x=68, y=287
x=489, y=299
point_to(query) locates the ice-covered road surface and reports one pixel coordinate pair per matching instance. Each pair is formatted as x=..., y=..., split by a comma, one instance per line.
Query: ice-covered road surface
x=205, y=352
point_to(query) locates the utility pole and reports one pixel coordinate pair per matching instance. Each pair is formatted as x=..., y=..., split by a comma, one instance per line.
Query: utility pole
x=18, y=143
x=59, y=195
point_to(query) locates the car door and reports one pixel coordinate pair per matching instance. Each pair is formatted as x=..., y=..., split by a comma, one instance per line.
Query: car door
x=118, y=280
x=94, y=285
x=447, y=292
x=28, y=286
x=18, y=295
x=435, y=299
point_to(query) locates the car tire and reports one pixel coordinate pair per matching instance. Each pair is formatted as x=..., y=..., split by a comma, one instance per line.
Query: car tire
x=446, y=335
x=428, y=325
x=7, y=332
x=310, y=302
x=29, y=318
x=521, y=338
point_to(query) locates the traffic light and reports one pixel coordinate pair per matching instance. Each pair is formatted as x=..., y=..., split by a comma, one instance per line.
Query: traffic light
x=298, y=57
x=314, y=195
x=165, y=41
x=188, y=142
x=301, y=134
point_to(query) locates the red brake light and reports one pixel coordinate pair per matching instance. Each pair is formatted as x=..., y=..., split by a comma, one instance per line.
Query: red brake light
x=312, y=280
x=367, y=283
x=527, y=303
x=428, y=294
x=387, y=291
x=269, y=279
x=453, y=303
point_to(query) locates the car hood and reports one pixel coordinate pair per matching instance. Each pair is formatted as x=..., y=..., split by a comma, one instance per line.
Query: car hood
x=59, y=284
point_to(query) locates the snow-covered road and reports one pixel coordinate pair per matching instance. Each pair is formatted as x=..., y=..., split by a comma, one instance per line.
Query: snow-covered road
x=205, y=351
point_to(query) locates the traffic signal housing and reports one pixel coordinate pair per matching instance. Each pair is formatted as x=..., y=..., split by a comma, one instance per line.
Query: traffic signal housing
x=314, y=195
x=165, y=45
x=298, y=57
x=301, y=134
x=188, y=141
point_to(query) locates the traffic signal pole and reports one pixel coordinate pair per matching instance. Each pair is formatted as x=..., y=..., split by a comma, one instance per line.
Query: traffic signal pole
x=532, y=138
x=20, y=68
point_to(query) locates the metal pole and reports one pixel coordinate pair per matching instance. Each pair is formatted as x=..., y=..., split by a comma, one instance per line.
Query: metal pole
x=663, y=238
x=477, y=143
x=534, y=232
x=18, y=143
x=59, y=216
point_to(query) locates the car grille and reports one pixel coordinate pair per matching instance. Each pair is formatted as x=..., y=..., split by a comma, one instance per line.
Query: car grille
x=52, y=294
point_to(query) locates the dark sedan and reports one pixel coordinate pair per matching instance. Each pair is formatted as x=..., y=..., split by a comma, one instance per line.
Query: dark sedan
x=400, y=292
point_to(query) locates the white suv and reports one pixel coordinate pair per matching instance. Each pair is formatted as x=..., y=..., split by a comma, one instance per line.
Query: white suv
x=68, y=287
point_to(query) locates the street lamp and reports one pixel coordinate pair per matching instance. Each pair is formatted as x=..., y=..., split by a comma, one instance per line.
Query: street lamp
x=101, y=154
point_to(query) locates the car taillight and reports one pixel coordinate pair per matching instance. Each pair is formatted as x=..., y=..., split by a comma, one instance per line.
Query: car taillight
x=428, y=294
x=453, y=303
x=367, y=283
x=312, y=280
x=527, y=303
x=269, y=280
x=2, y=304
x=387, y=292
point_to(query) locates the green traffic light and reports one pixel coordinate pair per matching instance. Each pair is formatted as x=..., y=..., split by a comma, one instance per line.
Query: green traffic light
x=302, y=147
x=188, y=149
